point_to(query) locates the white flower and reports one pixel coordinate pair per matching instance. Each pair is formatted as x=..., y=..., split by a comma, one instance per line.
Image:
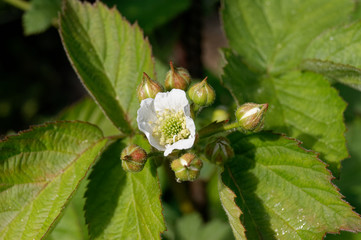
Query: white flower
x=166, y=121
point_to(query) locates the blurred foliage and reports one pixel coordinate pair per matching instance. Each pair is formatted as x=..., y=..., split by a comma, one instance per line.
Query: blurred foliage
x=41, y=15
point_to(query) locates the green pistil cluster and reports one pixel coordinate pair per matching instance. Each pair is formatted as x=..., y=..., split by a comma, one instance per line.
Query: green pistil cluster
x=170, y=127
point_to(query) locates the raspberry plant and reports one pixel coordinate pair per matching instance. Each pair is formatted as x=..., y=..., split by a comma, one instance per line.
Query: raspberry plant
x=271, y=165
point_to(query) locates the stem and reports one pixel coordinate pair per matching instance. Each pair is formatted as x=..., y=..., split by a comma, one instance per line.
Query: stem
x=214, y=128
x=23, y=5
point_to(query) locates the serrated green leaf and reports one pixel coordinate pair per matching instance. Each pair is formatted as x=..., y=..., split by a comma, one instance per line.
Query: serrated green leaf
x=232, y=210
x=302, y=105
x=122, y=205
x=336, y=54
x=284, y=191
x=88, y=111
x=109, y=55
x=272, y=34
x=39, y=171
x=350, y=179
x=40, y=16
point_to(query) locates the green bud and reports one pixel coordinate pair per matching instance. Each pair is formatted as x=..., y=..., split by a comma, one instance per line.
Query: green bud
x=187, y=167
x=250, y=116
x=202, y=93
x=148, y=88
x=133, y=158
x=219, y=151
x=177, y=78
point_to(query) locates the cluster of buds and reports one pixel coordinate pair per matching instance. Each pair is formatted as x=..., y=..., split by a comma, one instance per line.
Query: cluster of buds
x=219, y=151
x=133, y=158
x=201, y=94
x=187, y=167
x=166, y=119
x=250, y=116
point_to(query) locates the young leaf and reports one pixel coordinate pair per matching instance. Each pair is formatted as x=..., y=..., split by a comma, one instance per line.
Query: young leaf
x=39, y=171
x=336, y=55
x=272, y=34
x=232, y=210
x=109, y=55
x=284, y=191
x=302, y=105
x=40, y=16
x=122, y=205
x=88, y=111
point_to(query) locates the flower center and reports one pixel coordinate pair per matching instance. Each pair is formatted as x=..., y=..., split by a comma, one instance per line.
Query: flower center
x=170, y=127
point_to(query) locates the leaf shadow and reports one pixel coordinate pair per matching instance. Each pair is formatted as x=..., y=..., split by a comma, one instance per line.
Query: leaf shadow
x=106, y=183
x=238, y=176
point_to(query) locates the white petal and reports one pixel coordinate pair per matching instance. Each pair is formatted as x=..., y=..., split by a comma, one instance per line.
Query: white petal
x=181, y=144
x=146, y=116
x=175, y=99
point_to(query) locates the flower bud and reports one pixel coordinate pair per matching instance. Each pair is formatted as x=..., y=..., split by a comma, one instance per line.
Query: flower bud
x=202, y=93
x=133, y=158
x=219, y=151
x=250, y=116
x=148, y=88
x=177, y=78
x=187, y=167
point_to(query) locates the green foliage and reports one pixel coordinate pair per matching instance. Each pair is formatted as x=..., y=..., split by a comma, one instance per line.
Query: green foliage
x=41, y=15
x=150, y=14
x=72, y=225
x=109, y=56
x=335, y=54
x=302, y=105
x=190, y=227
x=122, y=205
x=284, y=191
x=350, y=179
x=88, y=111
x=40, y=170
x=286, y=53
x=272, y=35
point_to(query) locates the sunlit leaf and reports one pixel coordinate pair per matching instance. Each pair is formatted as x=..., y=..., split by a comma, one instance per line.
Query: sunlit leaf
x=39, y=171
x=302, y=105
x=123, y=205
x=336, y=54
x=109, y=55
x=272, y=35
x=284, y=191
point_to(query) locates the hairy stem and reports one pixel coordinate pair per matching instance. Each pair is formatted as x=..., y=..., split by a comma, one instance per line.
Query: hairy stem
x=217, y=128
